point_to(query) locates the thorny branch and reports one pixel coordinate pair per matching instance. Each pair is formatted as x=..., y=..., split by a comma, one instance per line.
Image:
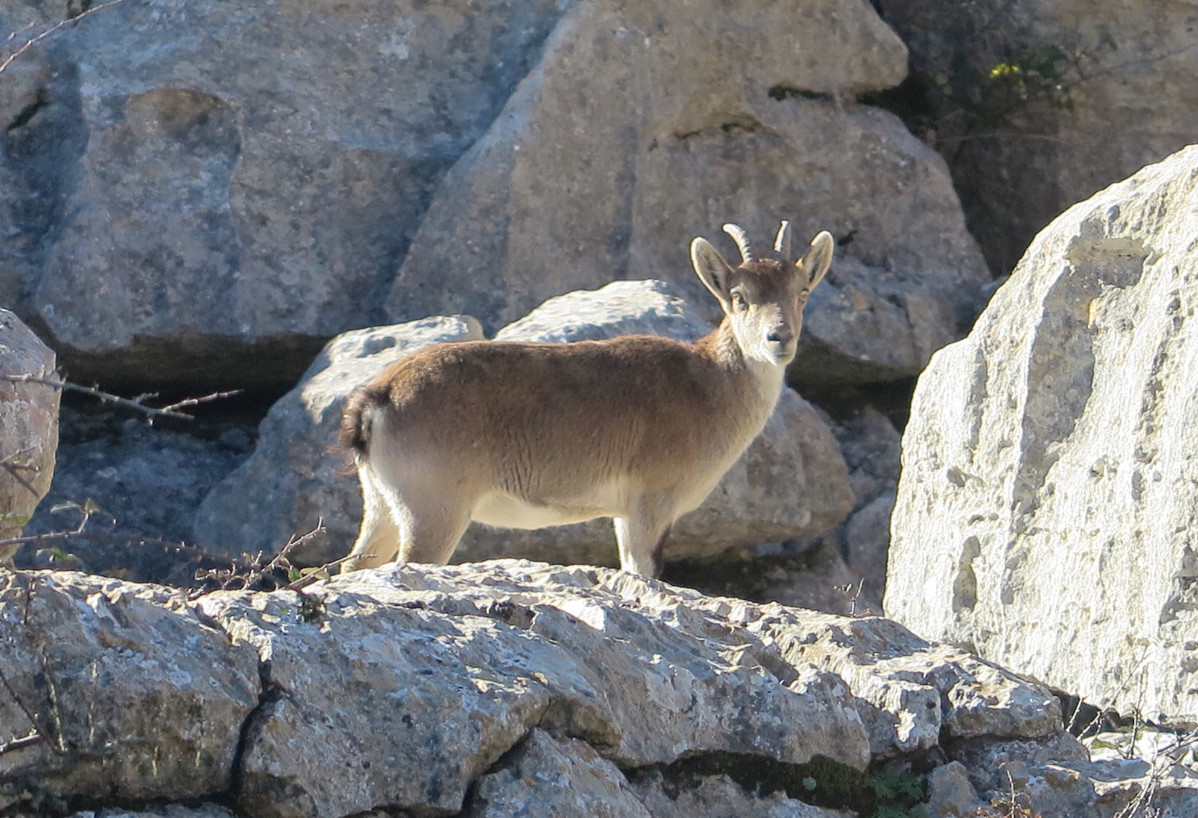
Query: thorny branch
x=249, y=575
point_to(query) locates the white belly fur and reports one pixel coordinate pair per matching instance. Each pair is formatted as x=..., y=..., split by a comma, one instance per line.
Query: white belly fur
x=502, y=510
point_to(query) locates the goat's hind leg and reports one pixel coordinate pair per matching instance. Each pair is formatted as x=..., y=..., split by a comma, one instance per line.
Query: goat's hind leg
x=378, y=538
x=430, y=528
x=429, y=507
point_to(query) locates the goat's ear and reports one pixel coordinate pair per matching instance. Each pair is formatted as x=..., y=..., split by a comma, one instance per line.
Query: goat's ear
x=818, y=258
x=711, y=269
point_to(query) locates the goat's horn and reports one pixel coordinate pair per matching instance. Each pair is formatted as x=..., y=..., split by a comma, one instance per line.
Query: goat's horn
x=742, y=242
x=782, y=243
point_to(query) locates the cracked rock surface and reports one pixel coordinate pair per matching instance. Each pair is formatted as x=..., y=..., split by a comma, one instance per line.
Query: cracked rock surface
x=1051, y=459
x=427, y=689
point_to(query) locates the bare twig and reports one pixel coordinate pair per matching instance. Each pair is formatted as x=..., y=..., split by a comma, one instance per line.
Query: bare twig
x=319, y=573
x=42, y=538
x=137, y=404
x=86, y=511
x=14, y=469
x=1137, y=672
x=37, y=38
x=173, y=408
x=853, y=595
x=34, y=737
x=252, y=571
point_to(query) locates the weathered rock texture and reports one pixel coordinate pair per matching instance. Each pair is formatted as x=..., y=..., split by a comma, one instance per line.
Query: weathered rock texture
x=791, y=482
x=118, y=690
x=1046, y=512
x=28, y=427
x=401, y=688
x=208, y=193
x=182, y=185
x=720, y=795
x=1085, y=93
x=644, y=126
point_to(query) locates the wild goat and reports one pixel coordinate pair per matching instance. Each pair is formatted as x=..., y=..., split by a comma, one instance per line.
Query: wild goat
x=527, y=435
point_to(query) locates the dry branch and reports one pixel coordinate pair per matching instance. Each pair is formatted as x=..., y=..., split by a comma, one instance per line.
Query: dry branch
x=37, y=38
x=137, y=404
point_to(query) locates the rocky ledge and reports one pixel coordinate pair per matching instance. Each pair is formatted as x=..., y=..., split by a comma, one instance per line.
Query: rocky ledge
x=501, y=688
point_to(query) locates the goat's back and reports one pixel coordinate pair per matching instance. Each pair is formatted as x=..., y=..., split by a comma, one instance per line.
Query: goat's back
x=538, y=418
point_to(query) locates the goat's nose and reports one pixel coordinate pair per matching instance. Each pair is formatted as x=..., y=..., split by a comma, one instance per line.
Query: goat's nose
x=780, y=335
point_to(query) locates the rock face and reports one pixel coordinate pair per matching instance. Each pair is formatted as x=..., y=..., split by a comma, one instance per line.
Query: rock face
x=116, y=689
x=441, y=689
x=185, y=200
x=629, y=138
x=791, y=482
x=28, y=427
x=1043, y=102
x=181, y=187
x=1045, y=512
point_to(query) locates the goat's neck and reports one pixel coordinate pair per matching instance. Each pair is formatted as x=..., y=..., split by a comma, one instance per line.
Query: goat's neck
x=764, y=378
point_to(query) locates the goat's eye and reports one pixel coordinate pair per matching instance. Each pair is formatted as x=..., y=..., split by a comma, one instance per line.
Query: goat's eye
x=738, y=301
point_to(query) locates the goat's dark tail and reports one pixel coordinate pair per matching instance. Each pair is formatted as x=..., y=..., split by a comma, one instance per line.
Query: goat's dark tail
x=357, y=418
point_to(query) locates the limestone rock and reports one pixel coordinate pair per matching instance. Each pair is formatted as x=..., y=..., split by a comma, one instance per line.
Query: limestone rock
x=167, y=811
x=179, y=212
x=470, y=690
x=147, y=480
x=791, y=481
x=630, y=138
x=1092, y=91
x=1057, y=778
x=642, y=672
x=28, y=427
x=843, y=570
x=556, y=778
x=950, y=793
x=871, y=447
x=594, y=654
x=867, y=537
x=182, y=186
x=116, y=688
x=718, y=795
x=619, y=308
x=295, y=477
x=1044, y=513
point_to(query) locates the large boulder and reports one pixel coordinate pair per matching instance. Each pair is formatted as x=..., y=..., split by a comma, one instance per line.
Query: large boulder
x=791, y=482
x=1042, y=102
x=185, y=200
x=429, y=690
x=642, y=128
x=1045, y=513
x=28, y=426
x=182, y=186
